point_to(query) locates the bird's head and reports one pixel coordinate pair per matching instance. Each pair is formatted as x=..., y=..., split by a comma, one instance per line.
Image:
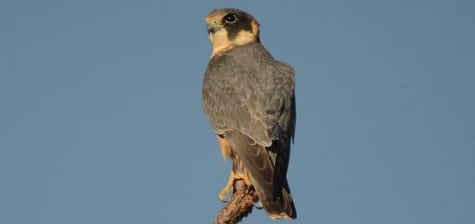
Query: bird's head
x=228, y=28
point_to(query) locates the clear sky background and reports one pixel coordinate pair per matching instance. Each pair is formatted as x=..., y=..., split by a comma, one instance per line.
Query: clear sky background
x=101, y=118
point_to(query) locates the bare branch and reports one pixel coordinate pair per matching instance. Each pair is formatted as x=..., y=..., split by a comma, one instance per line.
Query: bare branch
x=239, y=206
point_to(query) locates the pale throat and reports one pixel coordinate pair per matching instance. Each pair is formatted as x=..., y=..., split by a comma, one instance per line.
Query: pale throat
x=220, y=42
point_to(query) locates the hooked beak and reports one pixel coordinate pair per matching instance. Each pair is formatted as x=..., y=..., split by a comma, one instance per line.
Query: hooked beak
x=213, y=28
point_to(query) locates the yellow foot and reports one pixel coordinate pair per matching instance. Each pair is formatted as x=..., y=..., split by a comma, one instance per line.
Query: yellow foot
x=233, y=176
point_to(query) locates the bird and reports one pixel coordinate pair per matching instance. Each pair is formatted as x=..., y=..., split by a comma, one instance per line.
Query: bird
x=249, y=100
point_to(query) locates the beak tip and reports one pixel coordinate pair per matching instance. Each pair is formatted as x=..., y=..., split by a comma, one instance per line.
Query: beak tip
x=212, y=28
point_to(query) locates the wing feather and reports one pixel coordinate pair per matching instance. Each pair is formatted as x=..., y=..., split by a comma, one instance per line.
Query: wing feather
x=273, y=190
x=255, y=97
x=249, y=99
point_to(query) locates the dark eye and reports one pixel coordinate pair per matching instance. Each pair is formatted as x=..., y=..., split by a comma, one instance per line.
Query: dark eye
x=230, y=18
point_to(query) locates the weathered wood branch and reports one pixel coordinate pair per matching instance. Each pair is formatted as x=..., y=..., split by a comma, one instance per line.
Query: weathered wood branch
x=239, y=206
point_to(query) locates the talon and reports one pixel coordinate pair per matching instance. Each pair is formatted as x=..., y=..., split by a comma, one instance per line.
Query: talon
x=233, y=176
x=246, y=178
x=222, y=195
x=227, y=188
x=258, y=205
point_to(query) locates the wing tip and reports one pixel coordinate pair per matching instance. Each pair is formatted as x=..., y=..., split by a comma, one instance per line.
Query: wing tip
x=291, y=215
x=285, y=209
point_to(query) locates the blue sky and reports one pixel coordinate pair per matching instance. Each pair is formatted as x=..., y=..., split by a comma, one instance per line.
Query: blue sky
x=101, y=119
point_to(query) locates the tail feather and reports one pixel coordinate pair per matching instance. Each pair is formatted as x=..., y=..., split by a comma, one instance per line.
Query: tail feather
x=268, y=168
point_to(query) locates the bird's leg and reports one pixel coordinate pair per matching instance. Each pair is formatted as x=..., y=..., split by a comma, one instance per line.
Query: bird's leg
x=245, y=176
x=235, y=174
x=229, y=185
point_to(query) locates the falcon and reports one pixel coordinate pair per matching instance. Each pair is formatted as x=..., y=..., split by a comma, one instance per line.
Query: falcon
x=248, y=97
